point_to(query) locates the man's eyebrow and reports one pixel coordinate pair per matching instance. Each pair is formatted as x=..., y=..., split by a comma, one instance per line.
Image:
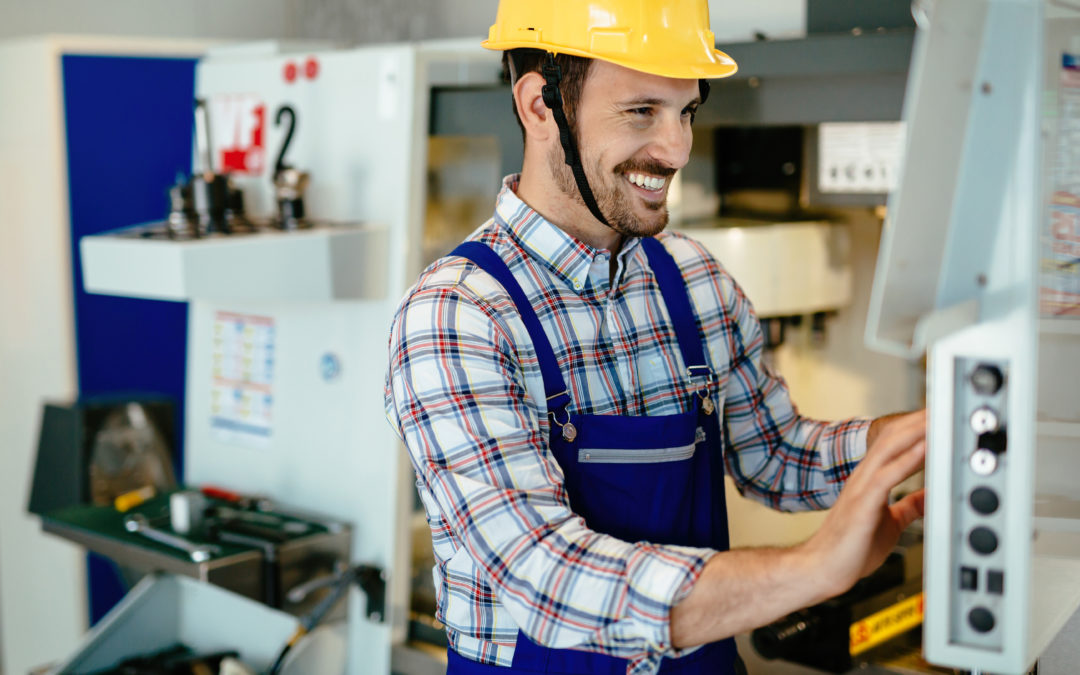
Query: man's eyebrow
x=646, y=100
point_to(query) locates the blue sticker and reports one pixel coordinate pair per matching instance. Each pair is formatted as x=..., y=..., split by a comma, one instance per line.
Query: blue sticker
x=330, y=365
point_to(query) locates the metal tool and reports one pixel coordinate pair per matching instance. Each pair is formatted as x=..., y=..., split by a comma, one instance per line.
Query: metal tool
x=138, y=524
x=287, y=525
x=289, y=183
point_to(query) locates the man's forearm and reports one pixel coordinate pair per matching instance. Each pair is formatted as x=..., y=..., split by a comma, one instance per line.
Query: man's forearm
x=742, y=589
x=746, y=588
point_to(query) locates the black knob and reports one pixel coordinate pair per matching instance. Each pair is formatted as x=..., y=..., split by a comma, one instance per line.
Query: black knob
x=984, y=500
x=983, y=540
x=987, y=379
x=994, y=441
x=981, y=619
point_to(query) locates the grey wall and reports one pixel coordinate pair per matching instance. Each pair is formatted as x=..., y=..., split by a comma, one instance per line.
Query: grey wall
x=225, y=19
x=348, y=22
x=360, y=21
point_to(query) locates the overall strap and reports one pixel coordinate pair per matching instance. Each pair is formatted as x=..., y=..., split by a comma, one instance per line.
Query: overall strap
x=677, y=299
x=486, y=259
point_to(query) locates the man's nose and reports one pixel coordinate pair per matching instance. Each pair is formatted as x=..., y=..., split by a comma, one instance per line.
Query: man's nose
x=672, y=143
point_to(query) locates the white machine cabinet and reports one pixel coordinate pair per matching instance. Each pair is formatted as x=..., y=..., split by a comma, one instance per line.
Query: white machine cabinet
x=971, y=268
x=285, y=372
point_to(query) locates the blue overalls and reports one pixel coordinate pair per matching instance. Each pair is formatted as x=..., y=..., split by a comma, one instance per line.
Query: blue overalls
x=658, y=479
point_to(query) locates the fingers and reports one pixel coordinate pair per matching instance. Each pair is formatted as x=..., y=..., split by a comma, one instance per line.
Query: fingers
x=905, y=464
x=899, y=436
x=909, y=509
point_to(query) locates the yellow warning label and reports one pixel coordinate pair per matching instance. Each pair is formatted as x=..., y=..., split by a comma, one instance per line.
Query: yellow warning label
x=886, y=624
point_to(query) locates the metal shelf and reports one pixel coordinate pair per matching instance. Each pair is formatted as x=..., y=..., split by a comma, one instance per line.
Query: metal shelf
x=322, y=263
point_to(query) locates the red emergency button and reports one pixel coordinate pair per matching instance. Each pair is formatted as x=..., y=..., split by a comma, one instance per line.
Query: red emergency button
x=311, y=68
x=290, y=72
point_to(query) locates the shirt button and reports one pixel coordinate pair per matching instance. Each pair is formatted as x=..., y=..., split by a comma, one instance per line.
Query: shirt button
x=577, y=285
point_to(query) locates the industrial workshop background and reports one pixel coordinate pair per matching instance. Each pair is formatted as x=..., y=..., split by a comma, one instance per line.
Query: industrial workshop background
x=795, y=170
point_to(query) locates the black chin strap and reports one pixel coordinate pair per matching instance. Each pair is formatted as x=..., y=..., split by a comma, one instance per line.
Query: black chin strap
x=553, y=100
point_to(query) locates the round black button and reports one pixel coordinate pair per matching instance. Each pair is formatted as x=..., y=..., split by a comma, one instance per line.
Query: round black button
x=981, y=619
x=983, y=540
x=984, y=500
x=987, y=379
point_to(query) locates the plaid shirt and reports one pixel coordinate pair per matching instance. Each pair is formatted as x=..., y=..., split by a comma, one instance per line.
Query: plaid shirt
x=465, y=393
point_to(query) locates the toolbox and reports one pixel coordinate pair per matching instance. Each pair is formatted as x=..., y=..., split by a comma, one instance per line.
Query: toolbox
x=317, y=552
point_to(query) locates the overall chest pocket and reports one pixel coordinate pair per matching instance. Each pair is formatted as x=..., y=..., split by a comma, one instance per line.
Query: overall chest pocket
x=634, y=478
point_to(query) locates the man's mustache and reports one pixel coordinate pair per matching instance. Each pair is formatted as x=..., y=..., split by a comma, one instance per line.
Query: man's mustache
x=645, y=166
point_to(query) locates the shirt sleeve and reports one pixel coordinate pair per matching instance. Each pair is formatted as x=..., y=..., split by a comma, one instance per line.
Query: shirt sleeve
x=775, y=455
x=456, y=395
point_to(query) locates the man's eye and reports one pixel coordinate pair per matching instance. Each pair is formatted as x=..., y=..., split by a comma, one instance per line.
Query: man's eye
x=641, y=111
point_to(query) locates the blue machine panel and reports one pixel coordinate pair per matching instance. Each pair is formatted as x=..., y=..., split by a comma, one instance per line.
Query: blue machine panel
x=129, y=124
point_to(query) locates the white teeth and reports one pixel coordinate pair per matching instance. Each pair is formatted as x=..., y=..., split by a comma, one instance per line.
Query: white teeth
x=647, y=182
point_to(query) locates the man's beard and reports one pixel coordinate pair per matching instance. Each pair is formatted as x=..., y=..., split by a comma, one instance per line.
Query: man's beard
x=612, y=203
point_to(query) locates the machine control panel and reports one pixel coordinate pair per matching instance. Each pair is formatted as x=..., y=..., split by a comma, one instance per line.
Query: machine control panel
x=980, y=442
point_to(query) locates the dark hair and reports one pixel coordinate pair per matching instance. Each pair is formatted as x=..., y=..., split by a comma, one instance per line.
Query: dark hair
x=574, y=71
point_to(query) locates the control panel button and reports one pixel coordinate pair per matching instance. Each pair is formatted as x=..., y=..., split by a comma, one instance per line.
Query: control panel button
x=987, y=379
x=969, y=579
x=983, y=462
x=984, y=500
x=983, y=540
x=981, y=619
x=995, y=582
x=984, y=420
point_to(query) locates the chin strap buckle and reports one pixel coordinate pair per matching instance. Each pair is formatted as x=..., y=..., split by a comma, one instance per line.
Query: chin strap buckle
x=552, y=75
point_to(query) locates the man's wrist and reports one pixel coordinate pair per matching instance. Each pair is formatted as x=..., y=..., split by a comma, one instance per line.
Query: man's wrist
x=811, y=560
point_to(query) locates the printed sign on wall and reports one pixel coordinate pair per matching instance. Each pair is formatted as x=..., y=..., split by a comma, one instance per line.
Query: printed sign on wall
x=238, y=132
x=242, y=391
x=1060, y=287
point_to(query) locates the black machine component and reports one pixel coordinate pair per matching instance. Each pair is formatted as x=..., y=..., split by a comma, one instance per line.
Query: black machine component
x=759, y=158
x=994, y=441
x=176, y=660
x=820, y=636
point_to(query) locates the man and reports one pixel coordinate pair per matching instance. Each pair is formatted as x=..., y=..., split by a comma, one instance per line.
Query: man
x=571, y=385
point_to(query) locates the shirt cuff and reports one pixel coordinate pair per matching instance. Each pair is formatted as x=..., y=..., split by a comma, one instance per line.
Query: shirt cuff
x=661, y=577
x=844, y=447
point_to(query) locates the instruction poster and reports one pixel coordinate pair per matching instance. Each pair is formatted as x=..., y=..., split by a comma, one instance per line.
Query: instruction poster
x=242, y=390
x=1060, y=284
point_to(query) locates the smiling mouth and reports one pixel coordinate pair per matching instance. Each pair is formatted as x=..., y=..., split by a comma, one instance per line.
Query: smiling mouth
x=647, y=182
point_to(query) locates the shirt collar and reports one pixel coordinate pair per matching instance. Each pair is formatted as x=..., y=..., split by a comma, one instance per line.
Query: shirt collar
x=566, y=256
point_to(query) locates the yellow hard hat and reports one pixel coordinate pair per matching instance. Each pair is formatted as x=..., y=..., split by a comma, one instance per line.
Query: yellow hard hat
x=662, y=37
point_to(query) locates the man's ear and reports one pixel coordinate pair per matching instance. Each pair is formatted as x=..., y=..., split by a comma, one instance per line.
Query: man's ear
x=529, y=99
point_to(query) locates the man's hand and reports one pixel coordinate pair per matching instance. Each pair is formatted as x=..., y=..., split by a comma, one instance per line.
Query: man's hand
x=882, y=423
x=862, y=527
x=745, y=588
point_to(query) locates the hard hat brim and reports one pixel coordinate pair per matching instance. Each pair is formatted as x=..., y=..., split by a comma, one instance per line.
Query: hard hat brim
x=720, y=66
